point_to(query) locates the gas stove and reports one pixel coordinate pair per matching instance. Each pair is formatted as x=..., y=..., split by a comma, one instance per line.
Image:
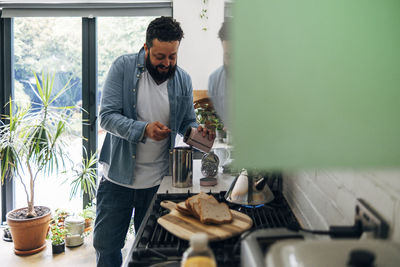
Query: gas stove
x=155, y=246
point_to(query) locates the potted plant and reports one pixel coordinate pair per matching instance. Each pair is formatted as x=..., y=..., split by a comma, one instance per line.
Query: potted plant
x=57, y=236
x=88, y=214
x=32, y=144
x=60, y=215
x=218, y=125
x=84, y=176
x=207, y=117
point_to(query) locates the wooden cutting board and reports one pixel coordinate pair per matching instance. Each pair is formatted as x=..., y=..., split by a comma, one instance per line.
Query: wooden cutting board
x=185, y=226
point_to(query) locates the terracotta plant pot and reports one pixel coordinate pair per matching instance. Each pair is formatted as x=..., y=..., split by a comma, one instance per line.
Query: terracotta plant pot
x=88, y=223
x=29, y=235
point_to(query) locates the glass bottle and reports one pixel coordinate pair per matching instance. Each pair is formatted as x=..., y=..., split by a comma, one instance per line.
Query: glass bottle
x=198, y=254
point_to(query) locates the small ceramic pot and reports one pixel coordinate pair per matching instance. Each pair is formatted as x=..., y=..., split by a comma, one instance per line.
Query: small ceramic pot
x=57, y=249
x=75, y=226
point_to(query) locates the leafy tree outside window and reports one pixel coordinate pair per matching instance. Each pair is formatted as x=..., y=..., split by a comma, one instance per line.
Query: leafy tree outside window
x=50, y=45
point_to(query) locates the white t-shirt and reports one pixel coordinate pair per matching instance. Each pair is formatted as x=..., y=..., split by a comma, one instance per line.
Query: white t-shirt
x=151, y=157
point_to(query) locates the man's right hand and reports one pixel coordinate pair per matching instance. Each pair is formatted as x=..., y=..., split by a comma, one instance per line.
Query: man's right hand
x=157, y=131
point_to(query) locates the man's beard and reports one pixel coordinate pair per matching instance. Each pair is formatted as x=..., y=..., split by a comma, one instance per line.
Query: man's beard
x=159, y=77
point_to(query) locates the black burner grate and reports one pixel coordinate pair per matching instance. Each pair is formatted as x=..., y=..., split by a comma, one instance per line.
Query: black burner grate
x=154, y=244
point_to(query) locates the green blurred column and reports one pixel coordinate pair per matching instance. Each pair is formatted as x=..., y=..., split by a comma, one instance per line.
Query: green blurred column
x=316, y=83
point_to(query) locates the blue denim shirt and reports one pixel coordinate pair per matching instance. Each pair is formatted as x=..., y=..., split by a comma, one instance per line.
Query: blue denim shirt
x=118, y=115
x=217, y=91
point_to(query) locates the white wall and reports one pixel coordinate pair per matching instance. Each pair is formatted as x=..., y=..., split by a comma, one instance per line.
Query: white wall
x=323, y=198
x=200, y=52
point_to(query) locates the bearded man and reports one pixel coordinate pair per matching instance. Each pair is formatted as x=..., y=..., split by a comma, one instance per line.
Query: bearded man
x=147, y=100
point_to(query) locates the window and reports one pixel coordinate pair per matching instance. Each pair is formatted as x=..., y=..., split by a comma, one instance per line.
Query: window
x=47, y=37
x=1, y=203
x=117, y=36
x=50, y=45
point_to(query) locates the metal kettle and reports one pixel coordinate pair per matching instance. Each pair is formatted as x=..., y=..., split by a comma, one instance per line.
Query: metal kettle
x=249, y=190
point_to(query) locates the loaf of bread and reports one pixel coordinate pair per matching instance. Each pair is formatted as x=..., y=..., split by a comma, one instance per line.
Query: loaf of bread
x=190, y=202
x=181, y=207
x=206, y=208
x=196, y=206
x=211, y=212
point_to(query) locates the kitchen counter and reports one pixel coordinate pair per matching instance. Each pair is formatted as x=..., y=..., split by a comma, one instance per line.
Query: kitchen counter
x=224, y=182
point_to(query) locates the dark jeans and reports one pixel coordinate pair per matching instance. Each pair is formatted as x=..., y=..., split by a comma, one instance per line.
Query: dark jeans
x=113, y=215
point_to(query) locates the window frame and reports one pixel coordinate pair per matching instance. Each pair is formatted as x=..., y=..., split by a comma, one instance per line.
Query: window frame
x=7, y=92
x=89, y=62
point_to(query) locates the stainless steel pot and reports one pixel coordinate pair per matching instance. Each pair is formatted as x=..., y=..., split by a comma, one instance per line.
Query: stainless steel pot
x=182, y=167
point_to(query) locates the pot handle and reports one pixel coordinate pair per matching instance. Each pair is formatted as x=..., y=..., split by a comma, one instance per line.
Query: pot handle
x=260, y=183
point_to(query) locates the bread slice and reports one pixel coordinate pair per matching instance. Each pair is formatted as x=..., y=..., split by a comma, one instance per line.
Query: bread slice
x=211, y=212
x=191, y=200
x=181, y=207
x=196, y=206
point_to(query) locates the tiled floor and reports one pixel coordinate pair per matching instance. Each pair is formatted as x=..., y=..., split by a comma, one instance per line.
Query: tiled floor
x=82, y=256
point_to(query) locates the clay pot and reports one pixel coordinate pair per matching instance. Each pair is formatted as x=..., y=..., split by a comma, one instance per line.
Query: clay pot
x=29, y=235
x=88, y=223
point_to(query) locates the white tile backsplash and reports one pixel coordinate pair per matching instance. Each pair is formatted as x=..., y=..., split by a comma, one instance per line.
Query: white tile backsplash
x=326, y=197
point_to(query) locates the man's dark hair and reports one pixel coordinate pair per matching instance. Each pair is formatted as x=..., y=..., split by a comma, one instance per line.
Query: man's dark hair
x=223, y=33
x=165, y=29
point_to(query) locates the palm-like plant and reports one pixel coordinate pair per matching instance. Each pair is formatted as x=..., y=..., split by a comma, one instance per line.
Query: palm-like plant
x=32, y=141
x=84, y=177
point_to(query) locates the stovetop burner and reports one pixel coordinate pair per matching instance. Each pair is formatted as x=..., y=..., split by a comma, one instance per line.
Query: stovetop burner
x=253, y=207
x=155, y=245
